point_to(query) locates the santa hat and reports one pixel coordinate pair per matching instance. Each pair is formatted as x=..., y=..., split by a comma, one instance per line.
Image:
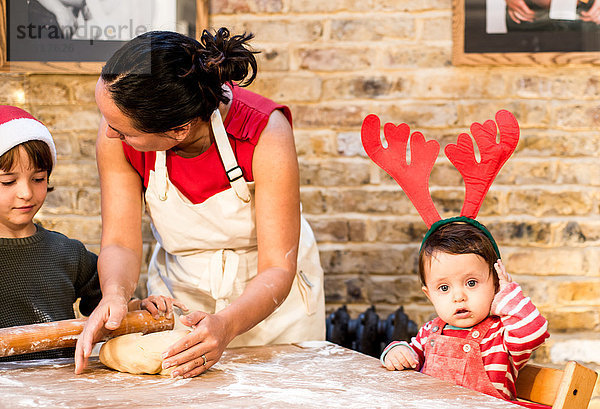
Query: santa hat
x=18, y=126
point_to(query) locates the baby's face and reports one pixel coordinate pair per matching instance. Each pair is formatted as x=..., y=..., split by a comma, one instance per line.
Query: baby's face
x=460, y=288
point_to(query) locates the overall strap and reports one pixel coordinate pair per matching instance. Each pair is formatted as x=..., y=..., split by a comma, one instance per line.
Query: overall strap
x=482, y=329
x=232, y=169
x=437, y=326
x=160, y=172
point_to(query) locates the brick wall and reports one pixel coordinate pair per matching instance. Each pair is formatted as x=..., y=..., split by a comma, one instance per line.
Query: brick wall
x=333, y=62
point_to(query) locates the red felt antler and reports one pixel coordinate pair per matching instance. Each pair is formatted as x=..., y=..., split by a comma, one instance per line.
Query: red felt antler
x=479, y=176
x=413, y=177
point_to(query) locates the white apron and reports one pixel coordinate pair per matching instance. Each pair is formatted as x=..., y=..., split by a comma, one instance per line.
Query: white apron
x=206, y=253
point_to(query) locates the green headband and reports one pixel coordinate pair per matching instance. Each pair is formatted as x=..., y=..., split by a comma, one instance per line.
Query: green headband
x=464, y=219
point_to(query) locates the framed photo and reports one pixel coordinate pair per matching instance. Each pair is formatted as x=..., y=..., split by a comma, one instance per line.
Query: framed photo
x=78, y=36
x=525, y=32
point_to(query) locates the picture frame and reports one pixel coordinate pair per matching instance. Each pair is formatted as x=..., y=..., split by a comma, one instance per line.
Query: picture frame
x=30, y=44
x=478, y=37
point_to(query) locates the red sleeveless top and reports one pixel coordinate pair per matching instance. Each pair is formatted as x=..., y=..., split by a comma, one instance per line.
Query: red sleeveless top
x=203, y=176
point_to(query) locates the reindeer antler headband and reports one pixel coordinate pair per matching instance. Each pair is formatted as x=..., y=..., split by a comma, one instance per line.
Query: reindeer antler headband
x=414, y=177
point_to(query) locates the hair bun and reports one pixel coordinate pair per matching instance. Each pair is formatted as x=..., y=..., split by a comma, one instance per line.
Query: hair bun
x=164, y=79
x=228, y=58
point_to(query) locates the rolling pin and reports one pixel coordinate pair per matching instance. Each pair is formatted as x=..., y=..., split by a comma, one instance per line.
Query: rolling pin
x=63, y=334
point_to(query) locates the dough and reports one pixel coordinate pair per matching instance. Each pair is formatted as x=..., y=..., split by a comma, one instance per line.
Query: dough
x=139, y=354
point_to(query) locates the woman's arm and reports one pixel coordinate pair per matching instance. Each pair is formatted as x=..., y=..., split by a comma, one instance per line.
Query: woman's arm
x=77, y=4
x=275, y=169
x=518, y=11
x=121, y=247
x=593, y=14
x=63, y=12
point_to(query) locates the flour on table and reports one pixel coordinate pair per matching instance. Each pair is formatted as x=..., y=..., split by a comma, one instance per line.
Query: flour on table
x=138, y=353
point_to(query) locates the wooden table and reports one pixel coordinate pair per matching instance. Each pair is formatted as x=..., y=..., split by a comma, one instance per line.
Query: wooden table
x=306, y=375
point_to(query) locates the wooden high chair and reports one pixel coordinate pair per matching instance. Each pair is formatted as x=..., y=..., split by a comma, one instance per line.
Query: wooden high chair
x=570, y=388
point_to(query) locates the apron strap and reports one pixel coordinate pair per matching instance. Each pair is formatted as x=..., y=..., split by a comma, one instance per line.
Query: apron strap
x=232, y=169
x=223, y=271
x=160, y=170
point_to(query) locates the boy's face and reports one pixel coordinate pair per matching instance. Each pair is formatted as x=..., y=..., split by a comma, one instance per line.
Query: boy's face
x=22, y=193
x=460, y=287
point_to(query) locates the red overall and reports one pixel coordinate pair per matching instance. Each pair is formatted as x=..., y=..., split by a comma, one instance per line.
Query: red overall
x=458, y=360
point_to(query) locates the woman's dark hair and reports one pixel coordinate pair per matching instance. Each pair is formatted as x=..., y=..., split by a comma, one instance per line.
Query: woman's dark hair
x=162, y=80
x=458, y=238
x=38, y=152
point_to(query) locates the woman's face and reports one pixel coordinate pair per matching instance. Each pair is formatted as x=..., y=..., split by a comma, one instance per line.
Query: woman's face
x=119, y=126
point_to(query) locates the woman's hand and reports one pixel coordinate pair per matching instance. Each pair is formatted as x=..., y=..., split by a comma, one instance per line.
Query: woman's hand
x=63, y=12
x=67, y=21
x=518, y=11
x=107, y=316
x=401, y=357
x=157, y=305
x=201, y=349
x=86, y=12
x=593, y=14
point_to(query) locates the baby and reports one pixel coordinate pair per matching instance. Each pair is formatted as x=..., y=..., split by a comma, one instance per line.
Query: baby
x=486, y=328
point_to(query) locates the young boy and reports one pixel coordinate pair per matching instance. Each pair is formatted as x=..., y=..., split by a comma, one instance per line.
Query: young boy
x=486, y=329
x=42, y=272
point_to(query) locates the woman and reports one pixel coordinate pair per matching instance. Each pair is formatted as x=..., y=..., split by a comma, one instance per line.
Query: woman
x=223, y=198
x=57, y=17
